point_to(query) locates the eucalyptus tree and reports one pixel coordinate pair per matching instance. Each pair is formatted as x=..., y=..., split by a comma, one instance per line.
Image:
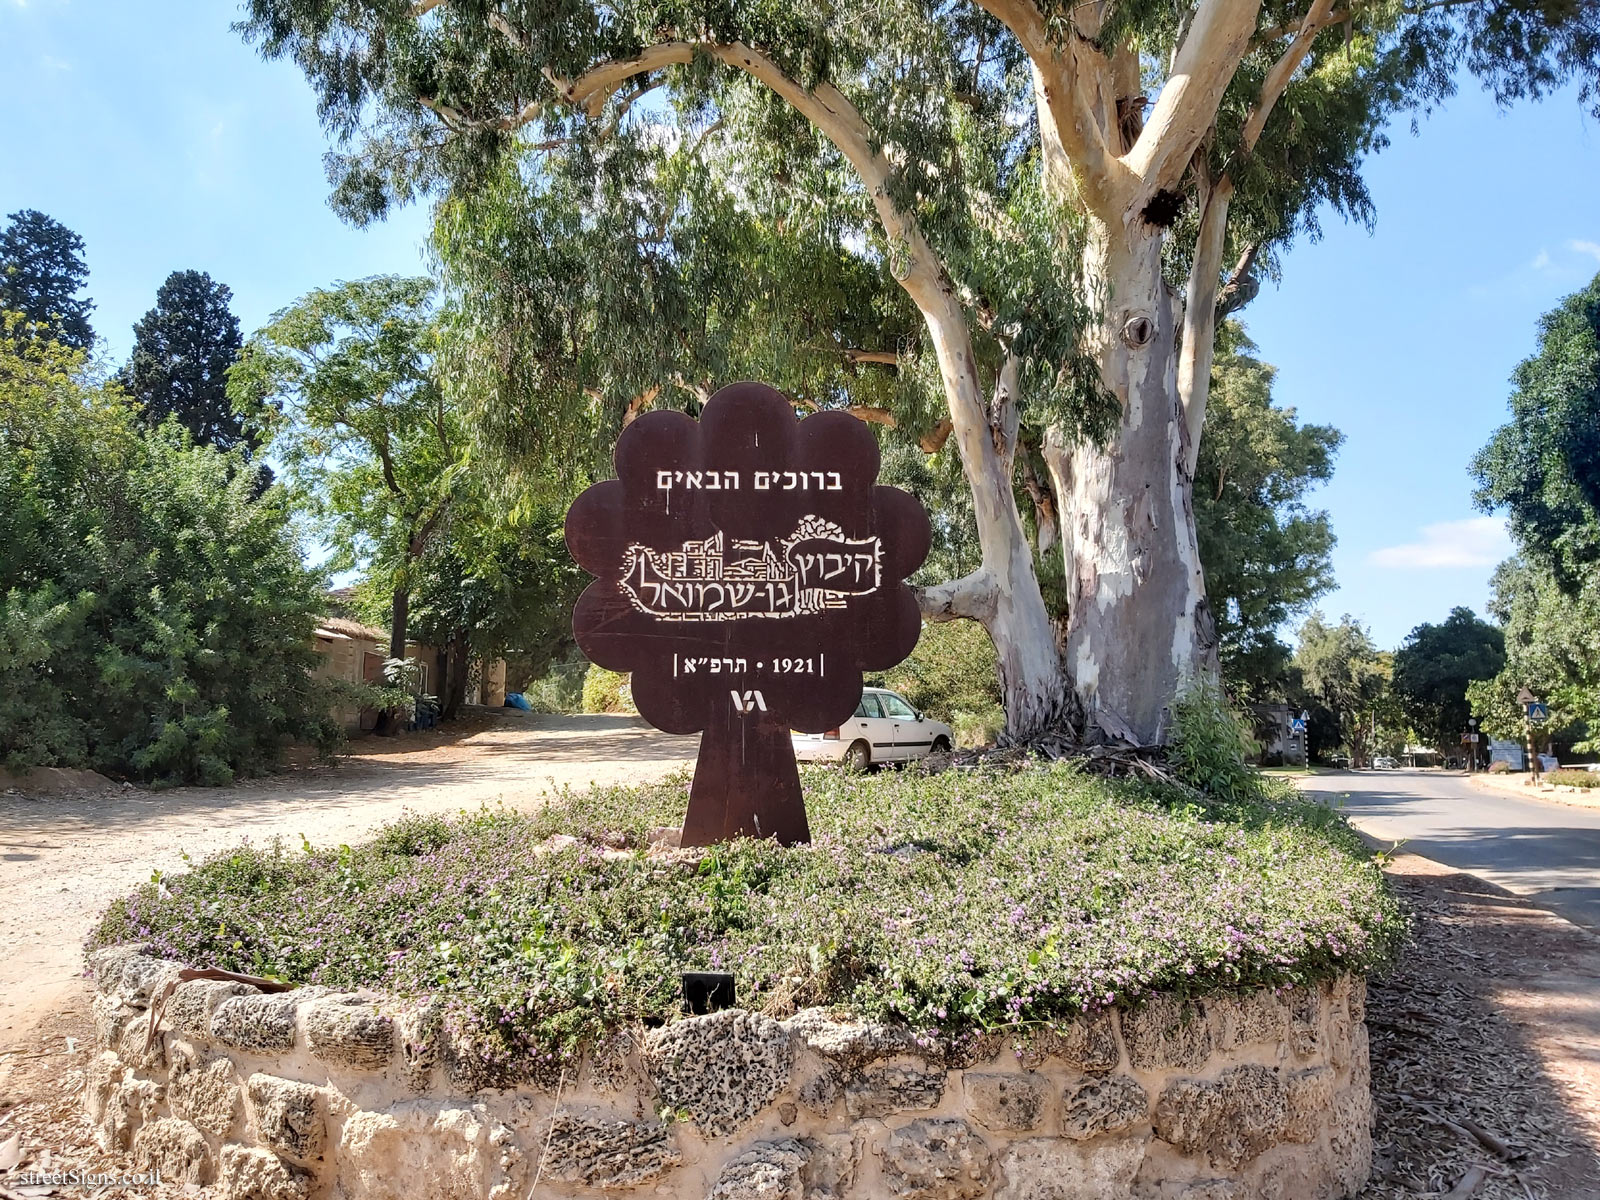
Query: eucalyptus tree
x=1067, y=195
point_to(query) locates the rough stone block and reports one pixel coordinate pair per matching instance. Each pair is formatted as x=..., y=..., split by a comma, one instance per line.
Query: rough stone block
x=1247, y=1020
x=1051, y=1169
x=1167, y=1033
x=1357, y=999
x=138, y=1049
x=721, y=1069
x=191, y=1006
x=261, y=1024
x=789, y=1169
x=1229, y=1121
x=110, y=1016
x=175, y=1149
x=103, y=1074
x=1308, y=1097
x=424, y=1150
x=126, y=1105
x=1350, y=1138
x=422, y=1036
x=880, y=1091
x=1360, y=1058
x=130, y=973
x=820, y=1091
x=937, y=1159
x=1005, y=1102
x=599, y=1152
x=1090, y=1043
x=346, y=1031
x=1305, y=1020
x=766, y=1171
x=205, y=1092
x=1212, y=1189
x=1090, y=1107
x=250, y=1173
x=288, y=1115
x=611, y=1063
x=963, y=1051
x=849, y=1042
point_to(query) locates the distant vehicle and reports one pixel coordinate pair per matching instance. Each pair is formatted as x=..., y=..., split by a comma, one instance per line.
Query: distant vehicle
x=885, y=728
x=1384, y=763
x=1338, y=760
x=1592, y=767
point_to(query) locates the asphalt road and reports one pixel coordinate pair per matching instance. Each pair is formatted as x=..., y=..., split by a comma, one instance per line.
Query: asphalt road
x=1546, y=851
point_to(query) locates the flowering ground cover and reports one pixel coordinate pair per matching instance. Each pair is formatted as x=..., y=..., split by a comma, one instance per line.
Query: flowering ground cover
x=966, y=900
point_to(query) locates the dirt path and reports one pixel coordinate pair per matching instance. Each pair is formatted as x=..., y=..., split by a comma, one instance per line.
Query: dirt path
x=64, y=858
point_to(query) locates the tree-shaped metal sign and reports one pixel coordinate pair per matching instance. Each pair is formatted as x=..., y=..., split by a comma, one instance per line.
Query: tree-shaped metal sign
x=748, y=570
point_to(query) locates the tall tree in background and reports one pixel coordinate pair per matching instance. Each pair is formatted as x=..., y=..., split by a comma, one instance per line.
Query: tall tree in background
x=1266, y=554
x=1543, y=469
x=1345, y=673
x=345, y=378
x=1543, y=466
x=41, y=273
x=1068, y=269
x=1436, y=666
x=182, y=350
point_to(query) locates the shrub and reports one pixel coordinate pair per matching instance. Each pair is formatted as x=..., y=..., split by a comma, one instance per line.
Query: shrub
x=560, y=689
x=981, y=728
x=1581, y=779
x=961, y=901
x=1210, y=747
x=155, y=616
x=951, y=673
x=606, y=692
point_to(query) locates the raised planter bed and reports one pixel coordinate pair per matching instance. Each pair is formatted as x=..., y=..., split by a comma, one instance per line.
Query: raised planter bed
x=359, y=1096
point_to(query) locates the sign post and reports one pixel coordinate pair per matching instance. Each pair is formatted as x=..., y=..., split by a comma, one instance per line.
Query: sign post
x=748, y=569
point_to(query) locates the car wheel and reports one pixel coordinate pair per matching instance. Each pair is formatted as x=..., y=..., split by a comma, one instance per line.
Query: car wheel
x=941, y=745
x=859, y=757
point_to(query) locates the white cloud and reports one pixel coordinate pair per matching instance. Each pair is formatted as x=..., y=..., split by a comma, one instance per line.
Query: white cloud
x=1542, y=261
x=1473, y=542
x=1591, y=248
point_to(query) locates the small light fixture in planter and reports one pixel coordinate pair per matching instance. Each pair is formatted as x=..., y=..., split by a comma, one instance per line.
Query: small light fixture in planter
x=707, y=992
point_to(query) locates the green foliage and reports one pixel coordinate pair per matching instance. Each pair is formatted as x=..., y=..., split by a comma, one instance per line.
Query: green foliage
x=1344, y=672
x=1436, y=666
x=1577, y=779
x=155, y=617
x=1543, y=466
x=606, y=692
x=182, y=350
x=1266, y=555
x=952, y=671
x=560, y=688
x=41, y=273
x=1010, y=900
x=1552, y=648
x=1211, y=745
x=343, y=381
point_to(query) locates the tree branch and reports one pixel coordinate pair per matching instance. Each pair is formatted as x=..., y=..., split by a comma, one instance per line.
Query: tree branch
x=1241, y=285
x=1199, y=337
x=1205, y=64
x=1318, y=18
x=973, y=597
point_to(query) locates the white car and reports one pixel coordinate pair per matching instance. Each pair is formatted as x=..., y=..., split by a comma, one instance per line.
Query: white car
x=1384, y=763
x=885, y=728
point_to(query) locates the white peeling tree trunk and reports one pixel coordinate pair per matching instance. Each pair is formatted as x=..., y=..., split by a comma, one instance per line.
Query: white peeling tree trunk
x=1138, y=626
x=1003, y=594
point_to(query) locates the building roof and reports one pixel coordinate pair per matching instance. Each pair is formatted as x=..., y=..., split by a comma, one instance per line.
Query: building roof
x=344, y=627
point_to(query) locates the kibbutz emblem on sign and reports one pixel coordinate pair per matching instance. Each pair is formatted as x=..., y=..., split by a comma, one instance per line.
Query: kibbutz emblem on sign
x=749, y=569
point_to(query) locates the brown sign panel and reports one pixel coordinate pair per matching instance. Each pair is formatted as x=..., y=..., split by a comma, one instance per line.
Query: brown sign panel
x=748, y=570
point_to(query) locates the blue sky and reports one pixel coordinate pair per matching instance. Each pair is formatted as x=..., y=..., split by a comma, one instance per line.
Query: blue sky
x=163, y=140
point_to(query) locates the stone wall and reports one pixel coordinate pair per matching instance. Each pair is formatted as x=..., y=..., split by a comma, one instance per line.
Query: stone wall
x=310, y=1094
